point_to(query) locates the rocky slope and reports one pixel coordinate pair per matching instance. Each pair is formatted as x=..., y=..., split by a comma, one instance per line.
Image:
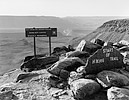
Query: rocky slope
x=111, y=31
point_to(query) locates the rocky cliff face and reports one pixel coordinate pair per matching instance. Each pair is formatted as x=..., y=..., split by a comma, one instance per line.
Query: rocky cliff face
x=111, y=31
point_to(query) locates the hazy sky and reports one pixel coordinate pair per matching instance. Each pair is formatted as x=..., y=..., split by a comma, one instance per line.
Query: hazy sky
x=62, y=8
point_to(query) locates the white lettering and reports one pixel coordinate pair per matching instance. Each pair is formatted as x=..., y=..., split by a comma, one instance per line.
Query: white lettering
x=95, y=61
x=108, y=50
x=113, y=58
x=107, y=54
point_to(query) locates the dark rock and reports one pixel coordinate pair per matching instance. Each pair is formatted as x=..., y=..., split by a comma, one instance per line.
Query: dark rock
x=53, y=81
x=57, y=82
x=91, y=47
x=100, y=42
x=106, y=58
x=27, y=58
x=101, y=95
x=68, y=64
x=82, y=88
x=38, y=63
x=115, y=93
x=109, y=43
x=110, y=78
x=127, y=68
x=70, y=48
x=64, y=74
x=93, y=77
x=60, y=50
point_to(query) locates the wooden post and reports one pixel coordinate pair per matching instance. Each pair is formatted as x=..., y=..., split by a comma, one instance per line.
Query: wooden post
x=50, y=45
x=34, y=48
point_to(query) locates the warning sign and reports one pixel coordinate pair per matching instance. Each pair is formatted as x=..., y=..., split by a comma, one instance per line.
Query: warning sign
x=104, y=59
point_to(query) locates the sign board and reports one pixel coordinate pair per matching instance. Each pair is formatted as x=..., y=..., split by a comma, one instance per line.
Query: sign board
x=41, y=32
x=104, y=59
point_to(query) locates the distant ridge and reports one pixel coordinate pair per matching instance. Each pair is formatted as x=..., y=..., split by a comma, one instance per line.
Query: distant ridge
x=110, y=31
x=18, y=23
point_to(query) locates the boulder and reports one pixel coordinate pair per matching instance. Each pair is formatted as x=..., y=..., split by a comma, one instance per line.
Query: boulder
x=101, y=95
x=100, y=42
x=110, y=78
x=115, y=93
x=106, y=58
x=83, y=88
x=91, y=47
x=80, y=54
x=56, y=82
x=60, y=50
x=88, y=47
x=38, y=63
x=68, y=64
x=27, y=58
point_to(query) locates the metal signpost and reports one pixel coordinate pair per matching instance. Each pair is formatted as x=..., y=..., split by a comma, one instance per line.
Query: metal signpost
x=41, y=32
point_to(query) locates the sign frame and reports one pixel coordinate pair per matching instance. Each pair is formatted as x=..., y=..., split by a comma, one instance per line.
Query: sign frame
x=41, y=32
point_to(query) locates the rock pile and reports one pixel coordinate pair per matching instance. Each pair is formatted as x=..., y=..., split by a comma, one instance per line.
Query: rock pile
x=91, y=71
x=101, y=74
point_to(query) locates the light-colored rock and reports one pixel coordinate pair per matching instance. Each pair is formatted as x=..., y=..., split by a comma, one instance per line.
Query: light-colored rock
x=110, y=78
x=115, y=93
x=124, y=42
x=81, y=45
x=74, y=76
x=82, y=88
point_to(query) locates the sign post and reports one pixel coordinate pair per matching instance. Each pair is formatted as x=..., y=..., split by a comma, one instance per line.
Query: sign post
x=34, y=48
x=41, y=32
x=49, y=45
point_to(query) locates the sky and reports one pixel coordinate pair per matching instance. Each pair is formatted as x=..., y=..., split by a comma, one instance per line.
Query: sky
x=63, y=8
